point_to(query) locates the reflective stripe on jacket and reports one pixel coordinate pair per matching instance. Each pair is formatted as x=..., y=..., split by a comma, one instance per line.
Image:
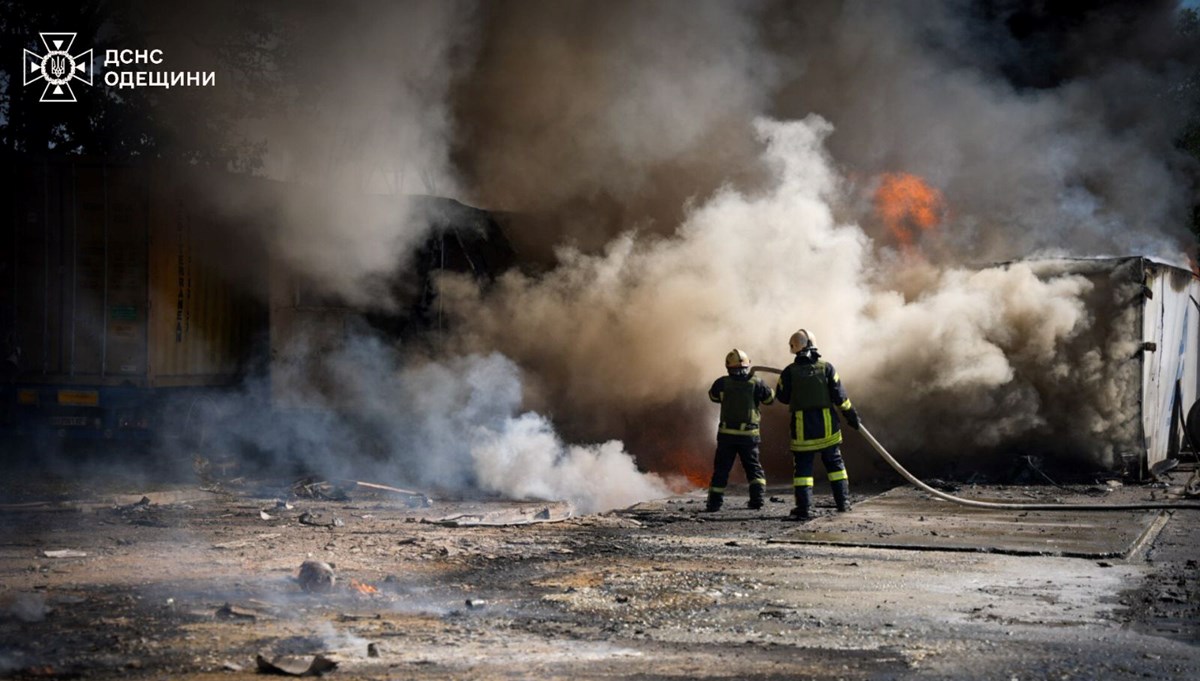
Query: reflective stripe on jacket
x=811, y=388
x=739, y=398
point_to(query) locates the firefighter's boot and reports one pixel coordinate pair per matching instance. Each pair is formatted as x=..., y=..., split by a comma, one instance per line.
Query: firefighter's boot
x=802, y=511
x=841, y=495
x=757, y=491
x=715, y=499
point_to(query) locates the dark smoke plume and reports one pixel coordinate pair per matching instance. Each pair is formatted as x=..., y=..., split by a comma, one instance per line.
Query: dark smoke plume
x=695, y=176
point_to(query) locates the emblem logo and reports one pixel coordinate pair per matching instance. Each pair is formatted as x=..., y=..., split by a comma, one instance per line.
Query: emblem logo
x=58, y=67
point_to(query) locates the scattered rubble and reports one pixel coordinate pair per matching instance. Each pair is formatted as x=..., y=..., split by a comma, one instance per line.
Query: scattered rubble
x=593, y=596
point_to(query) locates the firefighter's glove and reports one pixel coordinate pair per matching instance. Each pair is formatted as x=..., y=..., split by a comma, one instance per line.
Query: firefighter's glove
x=852, y=419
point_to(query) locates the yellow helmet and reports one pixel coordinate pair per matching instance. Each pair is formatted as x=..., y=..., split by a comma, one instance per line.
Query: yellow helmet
x=737, y=358
x=800, y=340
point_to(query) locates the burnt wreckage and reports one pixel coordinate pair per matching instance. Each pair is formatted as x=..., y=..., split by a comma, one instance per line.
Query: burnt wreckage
x=128, y=290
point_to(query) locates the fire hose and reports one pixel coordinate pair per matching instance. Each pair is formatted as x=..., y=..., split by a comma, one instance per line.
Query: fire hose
x=995, y=505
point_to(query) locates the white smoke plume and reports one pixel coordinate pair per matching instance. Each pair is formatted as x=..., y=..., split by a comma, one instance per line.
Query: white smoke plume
x=359, y=122
x=952, y=357
x=447, y=425
x=647, y=322
x=346, y=110
x=371, y=118
x=677, y=166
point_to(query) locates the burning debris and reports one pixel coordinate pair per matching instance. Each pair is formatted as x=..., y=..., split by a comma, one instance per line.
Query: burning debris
x=908, y=207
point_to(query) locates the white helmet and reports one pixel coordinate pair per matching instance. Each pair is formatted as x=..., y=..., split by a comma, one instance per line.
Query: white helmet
x=800, y=340
x=737, y=358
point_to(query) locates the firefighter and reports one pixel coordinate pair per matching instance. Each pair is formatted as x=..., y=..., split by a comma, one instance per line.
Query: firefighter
x=811, y=388
x=739, y=395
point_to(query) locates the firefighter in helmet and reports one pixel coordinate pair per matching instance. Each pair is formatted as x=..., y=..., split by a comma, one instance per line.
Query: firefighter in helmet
x=812, y=389
x=739, y=395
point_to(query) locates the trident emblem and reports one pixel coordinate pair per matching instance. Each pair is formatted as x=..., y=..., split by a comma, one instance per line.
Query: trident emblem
x=58, y=67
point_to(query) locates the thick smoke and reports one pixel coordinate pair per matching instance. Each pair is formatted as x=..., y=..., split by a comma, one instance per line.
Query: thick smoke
x=369, y=117
x=648, y=320
x=699, y=176
x=345, y=109
x=591, y=118
x=952, y=359
x=353, y=121
x=1084, y=165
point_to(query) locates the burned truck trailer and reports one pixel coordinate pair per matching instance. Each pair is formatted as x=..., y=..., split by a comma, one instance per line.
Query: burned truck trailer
x=131, y=292
x=1124, y=387
x=114, y=295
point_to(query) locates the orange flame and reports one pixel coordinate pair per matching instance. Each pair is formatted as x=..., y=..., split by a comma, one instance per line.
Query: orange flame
x=687, y=464
x=906, y=204
x=363, y=588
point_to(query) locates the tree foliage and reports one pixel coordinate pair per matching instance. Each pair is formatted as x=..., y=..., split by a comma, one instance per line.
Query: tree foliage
x=237, y=41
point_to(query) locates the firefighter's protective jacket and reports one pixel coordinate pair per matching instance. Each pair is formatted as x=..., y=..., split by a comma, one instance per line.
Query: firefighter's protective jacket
x=739, y=397
x=811, y=388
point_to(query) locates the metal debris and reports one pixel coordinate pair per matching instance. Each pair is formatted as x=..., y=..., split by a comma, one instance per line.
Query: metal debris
x=550, y=513
x=64, y=553
x=312, y=488
x=230, y=612
x=313, y=520
x=316, y=576
x=412, y=497
x=1163, y=467
x=137, y=505
x=291, y=665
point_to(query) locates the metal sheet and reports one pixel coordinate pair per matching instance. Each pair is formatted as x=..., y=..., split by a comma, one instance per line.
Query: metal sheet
x=201, y=327
x=905, y=518
x=114, y=276
x=1170, y=322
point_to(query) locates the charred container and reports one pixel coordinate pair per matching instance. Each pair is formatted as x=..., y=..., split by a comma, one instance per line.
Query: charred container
x=119, y=294
x=1128, y=384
